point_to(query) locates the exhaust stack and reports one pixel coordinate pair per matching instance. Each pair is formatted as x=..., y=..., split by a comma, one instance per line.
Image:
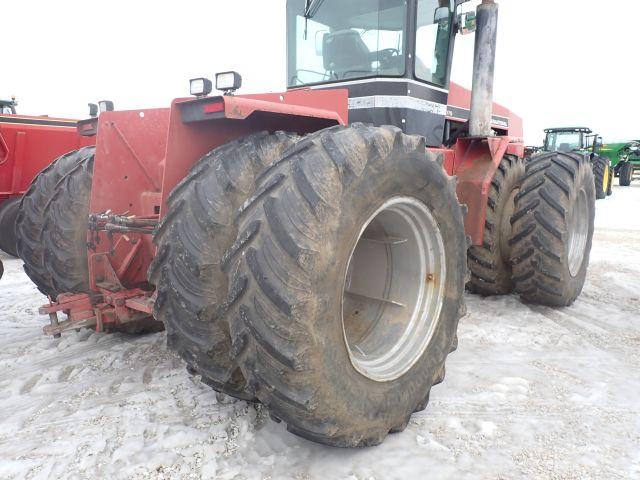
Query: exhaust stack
x=484, y=60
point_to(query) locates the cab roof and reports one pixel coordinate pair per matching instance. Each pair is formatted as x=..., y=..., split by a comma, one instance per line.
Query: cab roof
x=568, y=129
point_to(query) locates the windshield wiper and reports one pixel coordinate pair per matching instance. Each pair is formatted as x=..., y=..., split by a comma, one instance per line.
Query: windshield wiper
x=312, y=8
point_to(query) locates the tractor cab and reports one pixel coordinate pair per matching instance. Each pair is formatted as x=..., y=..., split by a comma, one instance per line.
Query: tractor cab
x=393, y=56
x=8, y=107
x=572, y=139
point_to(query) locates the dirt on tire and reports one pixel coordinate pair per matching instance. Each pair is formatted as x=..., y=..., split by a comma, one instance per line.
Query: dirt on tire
x=489, y=263
x=64, y=230
x=288, y=266
x=552, y=236
x=31, y=216
x=197, y=230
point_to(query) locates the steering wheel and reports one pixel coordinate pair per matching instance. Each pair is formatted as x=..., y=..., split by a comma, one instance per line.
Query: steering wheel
x=388, y=58
x=386, y=54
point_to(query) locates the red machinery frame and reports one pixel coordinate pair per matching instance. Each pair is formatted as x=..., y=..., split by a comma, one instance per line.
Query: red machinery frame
x=28, y=144
x=142, y=155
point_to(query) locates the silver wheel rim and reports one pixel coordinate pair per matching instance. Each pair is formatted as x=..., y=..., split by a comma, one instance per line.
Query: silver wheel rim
x=393, y=289
x=578, y=232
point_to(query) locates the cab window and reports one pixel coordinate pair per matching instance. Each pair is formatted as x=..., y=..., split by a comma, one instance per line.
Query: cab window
x=346, y=40
x=433, y=40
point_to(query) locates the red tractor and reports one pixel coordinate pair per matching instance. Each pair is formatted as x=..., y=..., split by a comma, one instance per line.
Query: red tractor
x=28, y=144
x=310, y=249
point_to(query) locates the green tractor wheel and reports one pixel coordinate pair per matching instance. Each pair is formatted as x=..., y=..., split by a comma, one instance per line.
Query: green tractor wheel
x=625, y=173
x=600, y=166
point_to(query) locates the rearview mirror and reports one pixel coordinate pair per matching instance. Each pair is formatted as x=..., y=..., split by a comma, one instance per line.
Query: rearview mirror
x=442, y=13
x=467, y=23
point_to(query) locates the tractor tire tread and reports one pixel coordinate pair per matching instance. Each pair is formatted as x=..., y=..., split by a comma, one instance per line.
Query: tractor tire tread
x=8, y=215
x=625, y=174
x=191, y=240
x=281, y=235
x=488, y=264
x=31, y=216
x=64, y=230
x=600, y=166
x=539, y=241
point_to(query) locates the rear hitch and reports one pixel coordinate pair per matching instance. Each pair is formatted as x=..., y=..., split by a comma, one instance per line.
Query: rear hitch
x=108, y=306
x=109, y=311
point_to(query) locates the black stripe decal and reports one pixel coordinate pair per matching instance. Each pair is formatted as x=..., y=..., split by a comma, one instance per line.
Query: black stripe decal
x=34, y=121
x=391, y=88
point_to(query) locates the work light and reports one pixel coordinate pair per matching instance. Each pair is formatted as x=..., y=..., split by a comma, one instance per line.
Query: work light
x=228, y=82
x=200, y=87
x=105, y=106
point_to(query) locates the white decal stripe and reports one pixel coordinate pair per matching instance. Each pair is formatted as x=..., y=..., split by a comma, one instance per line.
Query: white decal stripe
x=397, y=101
x=381, y=80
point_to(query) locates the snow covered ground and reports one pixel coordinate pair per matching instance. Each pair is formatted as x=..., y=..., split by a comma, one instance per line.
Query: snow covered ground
x=531, y=392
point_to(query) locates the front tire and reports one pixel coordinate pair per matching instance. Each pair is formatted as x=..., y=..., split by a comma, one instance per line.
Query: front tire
x=489, y=263
x=347, y=237
x=553, y=229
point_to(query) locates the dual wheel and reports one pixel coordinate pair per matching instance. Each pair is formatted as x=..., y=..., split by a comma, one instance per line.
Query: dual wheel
x=538, y=230
x=51, y=224
x=320, y=276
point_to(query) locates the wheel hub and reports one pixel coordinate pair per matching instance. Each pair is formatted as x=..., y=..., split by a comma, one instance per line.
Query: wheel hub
x=393, y=289
x=578, y=232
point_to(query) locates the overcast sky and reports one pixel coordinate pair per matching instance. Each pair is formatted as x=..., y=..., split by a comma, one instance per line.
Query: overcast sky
x=568, y=62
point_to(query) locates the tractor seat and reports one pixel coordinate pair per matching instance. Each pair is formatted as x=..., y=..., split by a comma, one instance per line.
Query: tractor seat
x=345, y=54
x=565, y=147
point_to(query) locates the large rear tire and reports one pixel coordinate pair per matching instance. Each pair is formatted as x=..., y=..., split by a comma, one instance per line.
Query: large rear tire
x=195, y=233
x=625, y=173
x=553, y=229
x=8, y=214
x=347, y=283
x=31, y=216
x=489, y=263
x=610, y=184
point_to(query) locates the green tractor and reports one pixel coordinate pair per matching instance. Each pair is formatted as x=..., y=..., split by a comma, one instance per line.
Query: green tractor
x=583, y=140
x=625, y=159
